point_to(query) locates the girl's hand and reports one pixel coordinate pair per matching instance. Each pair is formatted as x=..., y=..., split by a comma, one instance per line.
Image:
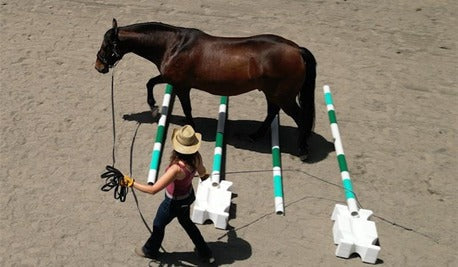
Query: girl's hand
x=204, y=177
x=127, y=181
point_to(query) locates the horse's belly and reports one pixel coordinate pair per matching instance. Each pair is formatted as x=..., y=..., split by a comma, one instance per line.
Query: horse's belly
x=227, y=89
x=229, y=79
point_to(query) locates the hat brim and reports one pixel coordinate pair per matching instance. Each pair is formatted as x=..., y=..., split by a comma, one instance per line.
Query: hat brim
x=178, y=147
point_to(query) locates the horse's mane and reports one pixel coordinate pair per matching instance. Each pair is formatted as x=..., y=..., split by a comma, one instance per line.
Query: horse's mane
x=146, y=27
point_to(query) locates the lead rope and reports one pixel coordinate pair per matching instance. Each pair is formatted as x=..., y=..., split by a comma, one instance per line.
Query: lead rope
x=133, y=191
x=113, y=118
x=130, y=174
x=113, y=176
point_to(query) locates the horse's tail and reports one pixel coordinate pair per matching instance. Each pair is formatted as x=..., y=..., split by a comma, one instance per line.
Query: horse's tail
x=307, y=93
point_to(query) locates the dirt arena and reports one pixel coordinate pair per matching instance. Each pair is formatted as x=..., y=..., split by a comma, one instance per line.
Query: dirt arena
x=392, y=68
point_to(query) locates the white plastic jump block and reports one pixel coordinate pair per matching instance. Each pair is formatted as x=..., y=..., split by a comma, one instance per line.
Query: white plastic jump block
x=355, y=234
x=212, y=203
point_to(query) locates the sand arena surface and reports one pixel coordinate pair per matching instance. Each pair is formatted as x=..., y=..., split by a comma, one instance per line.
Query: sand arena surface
x=391, y=66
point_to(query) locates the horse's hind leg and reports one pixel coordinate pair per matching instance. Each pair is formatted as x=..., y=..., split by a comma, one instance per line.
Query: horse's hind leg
x=183, y=95
x=272, y=110
x=292, y=109
x=150, y=96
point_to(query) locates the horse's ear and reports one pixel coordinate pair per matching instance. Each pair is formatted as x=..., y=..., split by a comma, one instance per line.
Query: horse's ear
x=115, y=27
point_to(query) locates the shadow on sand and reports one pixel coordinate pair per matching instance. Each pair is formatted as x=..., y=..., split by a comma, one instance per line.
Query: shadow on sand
x=225, y=253
x=237, y=131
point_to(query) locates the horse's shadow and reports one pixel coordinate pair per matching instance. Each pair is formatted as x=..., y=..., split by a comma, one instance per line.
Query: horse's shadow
x=236, y=134
x=225, y=253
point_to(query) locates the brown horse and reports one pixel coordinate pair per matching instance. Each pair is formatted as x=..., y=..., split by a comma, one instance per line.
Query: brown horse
x=189, y=58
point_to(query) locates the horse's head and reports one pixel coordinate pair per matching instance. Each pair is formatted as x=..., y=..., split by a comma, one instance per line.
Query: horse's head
x=109, y=53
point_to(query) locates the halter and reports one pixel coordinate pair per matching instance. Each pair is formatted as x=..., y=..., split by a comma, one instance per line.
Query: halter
x=114, y=54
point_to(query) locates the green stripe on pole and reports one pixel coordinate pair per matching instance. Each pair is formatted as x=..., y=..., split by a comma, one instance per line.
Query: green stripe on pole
x=278, y=190
x=168, y=89
x=155, y=162
x=342, y=163
x=332, y=116
x=217, y=162
x=219, y=139
x=223, y=100
x=348, y=188
x=160, y=134
x=328, y=99
x=276, y=157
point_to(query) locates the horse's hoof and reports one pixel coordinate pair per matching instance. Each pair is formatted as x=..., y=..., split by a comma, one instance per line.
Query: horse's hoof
x=155, y=112
x=304, y=155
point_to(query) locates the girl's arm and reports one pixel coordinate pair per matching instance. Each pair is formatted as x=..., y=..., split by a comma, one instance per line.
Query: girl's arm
x=168, y=177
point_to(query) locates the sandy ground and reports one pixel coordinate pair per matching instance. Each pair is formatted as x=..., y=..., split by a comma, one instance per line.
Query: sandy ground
x=391, y=66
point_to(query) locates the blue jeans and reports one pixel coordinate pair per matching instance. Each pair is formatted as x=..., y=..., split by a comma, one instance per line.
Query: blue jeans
x=167, y=211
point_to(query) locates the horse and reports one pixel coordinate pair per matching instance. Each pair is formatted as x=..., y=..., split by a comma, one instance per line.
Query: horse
x=190, y=58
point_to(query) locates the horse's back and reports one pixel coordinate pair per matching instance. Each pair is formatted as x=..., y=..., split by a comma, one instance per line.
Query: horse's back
x=261, y=54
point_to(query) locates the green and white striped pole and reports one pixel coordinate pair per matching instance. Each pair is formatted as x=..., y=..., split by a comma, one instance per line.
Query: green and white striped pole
x=345, y=175
x=157, y=149
x=276, y=163
x=217, y=157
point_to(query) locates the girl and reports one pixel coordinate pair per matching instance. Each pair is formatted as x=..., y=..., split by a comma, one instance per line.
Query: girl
x=185, y=161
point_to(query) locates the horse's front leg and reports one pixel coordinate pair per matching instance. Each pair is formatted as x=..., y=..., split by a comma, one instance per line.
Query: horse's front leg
x=150, y=96
x=272, y=111
x=183, y=95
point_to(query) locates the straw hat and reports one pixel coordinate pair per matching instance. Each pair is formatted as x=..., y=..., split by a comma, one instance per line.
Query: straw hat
x=185, y=140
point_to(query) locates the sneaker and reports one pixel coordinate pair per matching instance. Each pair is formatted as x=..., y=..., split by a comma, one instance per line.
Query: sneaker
x=140, y=251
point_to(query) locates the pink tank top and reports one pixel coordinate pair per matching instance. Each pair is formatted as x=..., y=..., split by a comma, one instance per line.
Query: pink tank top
x=181, y=187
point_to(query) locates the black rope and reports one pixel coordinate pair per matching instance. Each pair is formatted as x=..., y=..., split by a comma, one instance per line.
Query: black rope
x=113, y=178
x=113, y=118
x=133, y=191
x=112, y=175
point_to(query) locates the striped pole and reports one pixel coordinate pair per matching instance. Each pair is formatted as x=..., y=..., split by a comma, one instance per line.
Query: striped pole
x=276, y=163
x=346, y=181
x=217, y=157
x=157, y=150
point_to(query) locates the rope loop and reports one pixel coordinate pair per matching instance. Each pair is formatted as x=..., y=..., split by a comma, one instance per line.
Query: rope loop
x=113, y=179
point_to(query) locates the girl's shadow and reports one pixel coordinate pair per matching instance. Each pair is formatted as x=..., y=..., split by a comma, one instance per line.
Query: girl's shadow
x=225, y=253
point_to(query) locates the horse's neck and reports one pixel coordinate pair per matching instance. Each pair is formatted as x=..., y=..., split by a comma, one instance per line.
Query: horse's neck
x=150, y=46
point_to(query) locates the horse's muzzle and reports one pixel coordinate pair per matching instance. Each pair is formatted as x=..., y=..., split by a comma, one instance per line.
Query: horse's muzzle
x=100, y=67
